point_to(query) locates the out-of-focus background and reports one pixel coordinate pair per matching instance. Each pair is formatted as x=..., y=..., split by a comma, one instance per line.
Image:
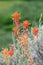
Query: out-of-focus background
x=29, y=10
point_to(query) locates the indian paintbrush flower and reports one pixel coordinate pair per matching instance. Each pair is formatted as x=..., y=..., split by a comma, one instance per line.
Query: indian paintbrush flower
x=26, y=24
x=15, y=30
x=5, y=53
x=16, y=18
x=11, y=52
x=35, y=31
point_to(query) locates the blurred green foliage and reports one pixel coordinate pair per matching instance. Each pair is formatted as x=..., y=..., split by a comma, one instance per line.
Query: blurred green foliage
x=28, y=10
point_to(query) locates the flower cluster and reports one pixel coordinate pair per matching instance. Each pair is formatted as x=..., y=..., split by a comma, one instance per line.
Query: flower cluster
x=23, y=39
x=20, y=53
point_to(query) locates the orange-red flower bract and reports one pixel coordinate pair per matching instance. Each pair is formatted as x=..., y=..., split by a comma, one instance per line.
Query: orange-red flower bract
x=11, y=52
x=24, y=39
x=26, y=23
x=16, y=16
x=15, y=30
x=5, y=52
x=35, y=31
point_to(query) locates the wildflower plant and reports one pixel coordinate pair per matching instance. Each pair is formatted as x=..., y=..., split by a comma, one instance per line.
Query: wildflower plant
x=27, y=47
x=23, y=39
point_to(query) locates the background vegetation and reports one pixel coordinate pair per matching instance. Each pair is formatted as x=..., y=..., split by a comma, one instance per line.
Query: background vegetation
x=29, y=10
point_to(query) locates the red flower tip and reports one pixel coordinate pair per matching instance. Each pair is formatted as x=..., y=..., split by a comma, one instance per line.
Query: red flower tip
x=35, y=30
x=11, y=52
x=26, y=23
x=16, y=16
